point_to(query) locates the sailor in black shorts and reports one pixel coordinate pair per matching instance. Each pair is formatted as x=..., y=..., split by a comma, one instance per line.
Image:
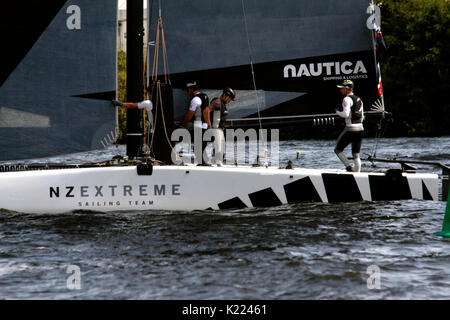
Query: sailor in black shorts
x=353, y=113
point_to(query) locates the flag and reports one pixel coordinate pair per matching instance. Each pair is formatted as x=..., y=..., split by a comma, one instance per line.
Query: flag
x=380, y=50
x=380, y=45
x=380, y=83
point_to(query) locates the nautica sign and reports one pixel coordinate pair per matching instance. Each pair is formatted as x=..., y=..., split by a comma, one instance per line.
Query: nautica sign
x=325, y=68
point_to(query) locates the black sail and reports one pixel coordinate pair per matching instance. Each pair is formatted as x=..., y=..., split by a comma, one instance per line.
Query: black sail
x=58, y=78
x=300, y=50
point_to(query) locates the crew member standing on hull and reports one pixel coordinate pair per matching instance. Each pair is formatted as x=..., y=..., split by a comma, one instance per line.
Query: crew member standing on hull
x=199, y=101
x=215, y=115
x=353, y=113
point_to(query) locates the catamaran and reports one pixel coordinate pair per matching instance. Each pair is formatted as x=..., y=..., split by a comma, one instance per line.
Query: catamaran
x=284, y=62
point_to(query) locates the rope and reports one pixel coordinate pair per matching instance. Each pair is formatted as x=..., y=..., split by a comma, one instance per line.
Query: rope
x=160, y=31
x=162, y=113
x=33, y=141
x=156, y=55
x=159, y=101
x=144, y=111
x=251, y=63
x=379, y=136
x=164, y=51
x=150, y=14
x=154, y=123
x=253, y=73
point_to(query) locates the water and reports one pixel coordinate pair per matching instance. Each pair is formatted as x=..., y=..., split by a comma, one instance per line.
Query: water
x=304, y=251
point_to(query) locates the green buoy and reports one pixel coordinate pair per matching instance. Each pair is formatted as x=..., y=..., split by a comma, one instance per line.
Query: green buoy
x=446, y=225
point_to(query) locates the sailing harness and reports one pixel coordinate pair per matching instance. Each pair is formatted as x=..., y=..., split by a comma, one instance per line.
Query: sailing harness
x=218, y=117
x=356, y=112
x=198, y=115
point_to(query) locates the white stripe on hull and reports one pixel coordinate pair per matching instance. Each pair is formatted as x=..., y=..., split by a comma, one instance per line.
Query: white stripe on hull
x=198, y=188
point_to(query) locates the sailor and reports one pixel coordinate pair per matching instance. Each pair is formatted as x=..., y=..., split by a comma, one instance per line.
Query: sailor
x=145, y=104
x=353, y=113
x=215, y=115
x=199, y=101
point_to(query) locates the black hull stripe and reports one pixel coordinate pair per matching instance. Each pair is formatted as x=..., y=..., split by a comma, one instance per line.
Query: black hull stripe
x=234, y=203
x=264, y=198
x=341, y=188
x=426, y=194
x=301, y=190
x=385, y=188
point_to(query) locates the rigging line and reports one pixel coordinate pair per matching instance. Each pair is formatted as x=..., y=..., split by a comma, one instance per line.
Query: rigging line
x=148, y=135
x=158, y=41
x=160, y=31
x=164, y=121
x=154, y=122
x=160, y=27
x=144, y=84
x=156, y=51
x=380, y=133
x=144, y=70
x=251, y=63
x=164, y=51
x=165, y=56
x=166, y=59
x=150, y=19
x=156, y=55
x=33, y=141
x=377, y=135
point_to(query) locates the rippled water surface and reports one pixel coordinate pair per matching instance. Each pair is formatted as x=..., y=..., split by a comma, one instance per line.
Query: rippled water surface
x=304, y=251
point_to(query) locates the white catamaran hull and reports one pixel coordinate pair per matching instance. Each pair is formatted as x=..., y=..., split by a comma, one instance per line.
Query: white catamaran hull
x=199, y=188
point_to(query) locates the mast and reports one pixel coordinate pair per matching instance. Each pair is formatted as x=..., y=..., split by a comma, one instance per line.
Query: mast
x=135, y=65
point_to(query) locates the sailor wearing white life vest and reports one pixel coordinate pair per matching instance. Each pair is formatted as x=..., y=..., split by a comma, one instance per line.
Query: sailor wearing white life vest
x=215, y=115
x=199, y=101
x=353, y=113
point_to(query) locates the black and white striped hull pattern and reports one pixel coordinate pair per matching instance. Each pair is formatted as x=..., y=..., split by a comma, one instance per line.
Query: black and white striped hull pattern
x=200, y=188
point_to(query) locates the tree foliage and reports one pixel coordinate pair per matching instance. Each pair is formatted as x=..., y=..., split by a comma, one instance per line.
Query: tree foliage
x=416, y=68
x=122, y=93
